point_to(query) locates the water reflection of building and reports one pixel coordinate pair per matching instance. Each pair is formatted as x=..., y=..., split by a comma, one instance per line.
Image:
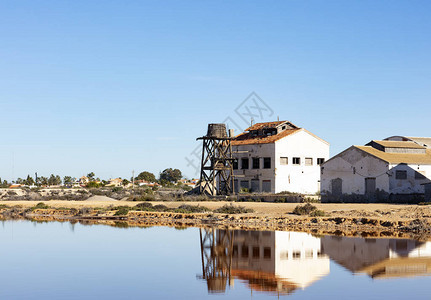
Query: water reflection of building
x=279, y=262
x=380, y=258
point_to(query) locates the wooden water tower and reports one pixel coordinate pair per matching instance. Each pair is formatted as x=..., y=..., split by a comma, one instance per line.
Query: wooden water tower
x=217, y=163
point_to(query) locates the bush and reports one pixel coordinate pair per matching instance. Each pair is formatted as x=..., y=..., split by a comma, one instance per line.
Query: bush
x=185, y=208
x=122, y=210
x=232, y=209
x=40, y=205
x=117, y=189
x=160, y=207
x=143, y=206
x=244, y=190
x=304, y=209
x=317, y=213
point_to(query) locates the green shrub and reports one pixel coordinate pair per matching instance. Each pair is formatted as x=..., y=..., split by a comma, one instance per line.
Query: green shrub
x=122, y=210
x=40, y=205
x=185, y=208
x=304, y=209
x=143, y=206
x=160, y=207
x=232, y=209
x=317, y=213
x=244, y=190
x=117, y=189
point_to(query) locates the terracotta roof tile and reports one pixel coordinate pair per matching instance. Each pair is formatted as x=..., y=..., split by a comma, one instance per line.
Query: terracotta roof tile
x=246, y=138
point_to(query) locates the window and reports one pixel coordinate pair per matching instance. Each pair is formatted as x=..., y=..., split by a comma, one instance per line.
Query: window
x=244, y=163
x=296, y=254
x=284, y=161
x=296, y=161
x=420, y=175
x=320, y=161
x=401, y=175
x=267, y=252
x=308, y=161
x=256, y=164
x=267, y=162
x=244, y=251
x=235, y=164
x=256, y=252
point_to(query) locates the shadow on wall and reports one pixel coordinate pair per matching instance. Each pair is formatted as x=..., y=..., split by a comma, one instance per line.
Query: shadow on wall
x=406, y=185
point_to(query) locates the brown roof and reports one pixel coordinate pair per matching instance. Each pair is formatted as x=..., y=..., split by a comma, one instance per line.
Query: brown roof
x=247, y=139
x=399, y=144
x=397, y=158
x=258, y=126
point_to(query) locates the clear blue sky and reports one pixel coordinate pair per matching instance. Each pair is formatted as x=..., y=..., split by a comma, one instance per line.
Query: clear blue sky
x=112, y=86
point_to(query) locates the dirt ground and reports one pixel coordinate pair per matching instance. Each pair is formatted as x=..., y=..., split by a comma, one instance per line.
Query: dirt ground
x=388, y=211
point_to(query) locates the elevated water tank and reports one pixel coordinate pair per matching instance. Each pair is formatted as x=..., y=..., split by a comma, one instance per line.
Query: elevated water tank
x=217, y=130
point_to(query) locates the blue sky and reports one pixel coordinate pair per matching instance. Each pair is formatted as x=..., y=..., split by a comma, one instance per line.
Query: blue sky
x=116, y=86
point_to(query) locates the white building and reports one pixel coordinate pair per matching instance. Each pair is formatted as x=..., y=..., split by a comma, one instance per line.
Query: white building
x=280, y=261
x=393, y=167
x=278, y=156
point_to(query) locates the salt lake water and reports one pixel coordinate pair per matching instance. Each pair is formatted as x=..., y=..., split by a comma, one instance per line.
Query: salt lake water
x=61, y=260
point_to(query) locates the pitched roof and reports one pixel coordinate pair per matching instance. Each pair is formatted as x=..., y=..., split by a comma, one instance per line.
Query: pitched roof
x=398, y=158
x=399, y=144
x=258, y=126
x=246, y=138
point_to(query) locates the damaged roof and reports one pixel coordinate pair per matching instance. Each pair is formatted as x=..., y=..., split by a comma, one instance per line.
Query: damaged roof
x=274, y=124
x=246, y=138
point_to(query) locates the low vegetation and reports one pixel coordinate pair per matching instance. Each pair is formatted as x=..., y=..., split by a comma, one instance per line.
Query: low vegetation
x=308, y=209
x=233, y=209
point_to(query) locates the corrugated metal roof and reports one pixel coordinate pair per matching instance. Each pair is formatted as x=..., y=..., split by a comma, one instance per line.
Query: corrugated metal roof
x=399, y=144
x=398, y=158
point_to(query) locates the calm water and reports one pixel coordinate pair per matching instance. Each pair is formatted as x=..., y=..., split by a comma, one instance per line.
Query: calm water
x=64, y=261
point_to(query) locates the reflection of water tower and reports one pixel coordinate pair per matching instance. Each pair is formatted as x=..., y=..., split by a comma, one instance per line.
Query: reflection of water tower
x=216, y=251
x=217, y=162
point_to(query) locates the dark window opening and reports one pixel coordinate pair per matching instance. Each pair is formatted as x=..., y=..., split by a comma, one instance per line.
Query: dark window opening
x=256, y=164
x=244, y=251
x=256, y=252
x=296, y=161
x=401, y=175
x=320, y=161
x=267, y=252
x=235, y=164
x=244, y=163
x=267, y=162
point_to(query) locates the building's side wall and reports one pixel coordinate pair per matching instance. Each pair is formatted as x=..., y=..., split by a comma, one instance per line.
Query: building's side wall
x=258, y=175
x=411, y=184
x=352, y=167
x=300, y=178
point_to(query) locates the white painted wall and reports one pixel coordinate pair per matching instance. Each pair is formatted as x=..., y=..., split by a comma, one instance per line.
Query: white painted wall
x=257, y=150
x=292, y=178
x=299, y=258
x=410, y=185
x=299, y=178
x=353, y=166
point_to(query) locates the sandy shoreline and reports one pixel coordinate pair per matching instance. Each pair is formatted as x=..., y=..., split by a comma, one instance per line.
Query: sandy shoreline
x=376, y=220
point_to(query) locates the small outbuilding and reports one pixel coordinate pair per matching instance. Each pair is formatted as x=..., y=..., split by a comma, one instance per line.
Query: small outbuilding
x=388, y=170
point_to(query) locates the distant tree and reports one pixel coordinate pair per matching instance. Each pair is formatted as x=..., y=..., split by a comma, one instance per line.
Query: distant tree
x=147, y=176
x=54, y=180
x=125, y=182
x=68, y=180
x=29, y=180
x=42, y=180
x=171, y=175
x=91, y=176
x=19, y=181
